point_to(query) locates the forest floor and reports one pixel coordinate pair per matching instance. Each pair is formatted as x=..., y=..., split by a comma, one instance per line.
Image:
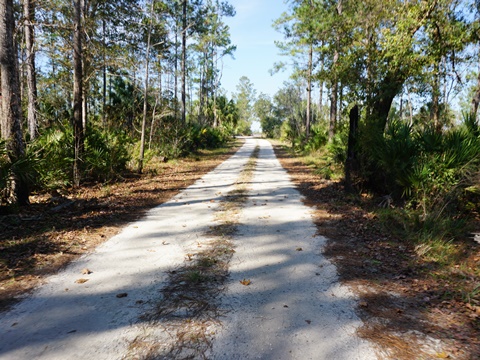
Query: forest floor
x=404, y=301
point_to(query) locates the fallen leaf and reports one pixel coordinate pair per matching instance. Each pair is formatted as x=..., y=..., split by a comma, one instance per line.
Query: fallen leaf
x=299, y=249
x=245, y=282
x=443, y=355
x=122, y=295
x=308, y=321
x=81, y=281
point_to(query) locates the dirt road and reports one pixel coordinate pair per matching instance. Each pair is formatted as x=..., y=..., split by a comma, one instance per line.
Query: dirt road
x=292, y=308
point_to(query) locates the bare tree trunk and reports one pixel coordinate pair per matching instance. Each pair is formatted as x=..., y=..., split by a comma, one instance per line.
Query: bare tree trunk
x=104, y=88
x=309, y=92
x=152, y=124
x=350, y=164
x=84, y=108
x=320, y=86
x=320, y=98
x=145, y=94
x=410, y=108
x=29, y=15
x=476, y=97
x=175, y=86
x=333, y=109
x=436, y=101
x=203, y=74
x=400, y=111
x=334, y=89
x=78, y=130
x=11, y=121
x=184, y=61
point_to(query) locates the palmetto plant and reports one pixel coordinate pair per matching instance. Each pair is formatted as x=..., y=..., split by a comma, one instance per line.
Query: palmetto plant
x=24, y=168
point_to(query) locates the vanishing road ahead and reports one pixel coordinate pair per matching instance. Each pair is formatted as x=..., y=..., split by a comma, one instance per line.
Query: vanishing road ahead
x=293, y=308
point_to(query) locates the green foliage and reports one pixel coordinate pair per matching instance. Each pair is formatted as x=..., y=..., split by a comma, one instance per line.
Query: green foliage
x=208, y=138
x=431, y=170
x=245, y=99
x=318, y=138
x=106, y=154
x=174, y=140
x=337, y=148
x=24, y=168
x=54, y=151
x=271, y=127
x=394, y=155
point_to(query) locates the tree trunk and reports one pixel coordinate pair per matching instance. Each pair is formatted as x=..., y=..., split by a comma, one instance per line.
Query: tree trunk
x=333, y=109
x=386, y=91
x=309, y=92
x=104, y=70
x=11, y=121
x=334, y=88
x=350, y=164
x=476, y=97
x=78, y=130
x=29, y=18
x=175, y=86
x=145, y=94
x=184, y=61
x=320, y=98
x=436, y=101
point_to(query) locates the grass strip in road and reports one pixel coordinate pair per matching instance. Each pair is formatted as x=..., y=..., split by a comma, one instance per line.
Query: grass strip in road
x=189, y=309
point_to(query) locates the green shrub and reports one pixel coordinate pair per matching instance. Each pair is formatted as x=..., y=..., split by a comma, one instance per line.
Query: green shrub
x=318, y=138
x=211, y=138
x=172, y=139
x=337, y=148
x=394, y=156
x=106, y=154
x=55, y=153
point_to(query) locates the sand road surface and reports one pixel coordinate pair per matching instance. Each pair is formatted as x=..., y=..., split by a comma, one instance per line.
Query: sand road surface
x=293, y=308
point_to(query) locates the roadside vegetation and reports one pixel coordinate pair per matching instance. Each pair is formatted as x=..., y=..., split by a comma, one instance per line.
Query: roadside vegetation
x=385, y=132
x=102, y=88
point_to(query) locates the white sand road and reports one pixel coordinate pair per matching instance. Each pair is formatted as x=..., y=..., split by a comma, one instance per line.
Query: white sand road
x=294, y=307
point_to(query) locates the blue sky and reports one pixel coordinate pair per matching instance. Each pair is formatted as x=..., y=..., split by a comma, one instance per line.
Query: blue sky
x=251, y=30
